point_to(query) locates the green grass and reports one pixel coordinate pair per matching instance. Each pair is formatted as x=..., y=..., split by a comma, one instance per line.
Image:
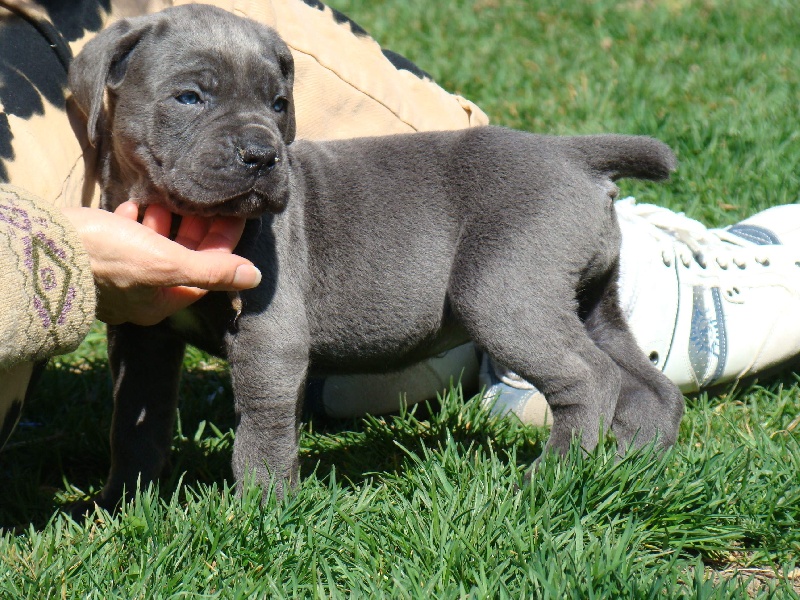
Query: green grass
x=413, y=507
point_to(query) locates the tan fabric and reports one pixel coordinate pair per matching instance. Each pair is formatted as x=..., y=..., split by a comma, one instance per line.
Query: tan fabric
x=48, y=160
x=344, y=85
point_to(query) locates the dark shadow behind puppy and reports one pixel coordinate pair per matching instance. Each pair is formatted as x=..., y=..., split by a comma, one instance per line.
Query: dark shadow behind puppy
x=376, y=252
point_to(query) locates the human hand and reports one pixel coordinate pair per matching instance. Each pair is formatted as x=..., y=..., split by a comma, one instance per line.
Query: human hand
x=142, y=276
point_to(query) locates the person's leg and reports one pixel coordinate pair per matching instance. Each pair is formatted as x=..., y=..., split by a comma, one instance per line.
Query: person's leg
x=347, y=86
x=48, y=295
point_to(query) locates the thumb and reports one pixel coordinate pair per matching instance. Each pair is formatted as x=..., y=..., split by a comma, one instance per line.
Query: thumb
x=215, y=271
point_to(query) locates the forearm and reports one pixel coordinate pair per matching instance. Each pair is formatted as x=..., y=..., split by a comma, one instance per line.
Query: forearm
x=47, y=292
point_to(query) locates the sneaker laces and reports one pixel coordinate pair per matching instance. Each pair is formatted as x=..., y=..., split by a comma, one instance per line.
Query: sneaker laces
x=689, y=240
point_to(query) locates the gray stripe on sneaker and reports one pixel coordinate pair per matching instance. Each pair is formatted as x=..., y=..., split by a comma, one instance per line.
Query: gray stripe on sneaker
x=708, y=341
x=699, y=343
x=755, y=234
x=722, y=335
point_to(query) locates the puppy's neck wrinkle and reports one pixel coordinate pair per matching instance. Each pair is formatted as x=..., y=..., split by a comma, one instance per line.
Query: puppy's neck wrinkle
x=116, y=191
x=120, y=183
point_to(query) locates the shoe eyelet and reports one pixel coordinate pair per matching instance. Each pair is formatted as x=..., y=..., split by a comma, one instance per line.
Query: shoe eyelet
x=763, y=263
x=722, y=265
x=653, y=357
x=731, y=292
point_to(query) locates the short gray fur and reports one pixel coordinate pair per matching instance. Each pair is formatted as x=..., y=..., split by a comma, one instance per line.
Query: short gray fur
x=375, y=252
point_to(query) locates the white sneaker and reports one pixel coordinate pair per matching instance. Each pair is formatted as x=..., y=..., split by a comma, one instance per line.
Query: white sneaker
x=711, y=305
x=352, y=396
x=506, y=392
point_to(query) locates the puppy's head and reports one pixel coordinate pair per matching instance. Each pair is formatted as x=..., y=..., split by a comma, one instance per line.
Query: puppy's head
x=195, y=105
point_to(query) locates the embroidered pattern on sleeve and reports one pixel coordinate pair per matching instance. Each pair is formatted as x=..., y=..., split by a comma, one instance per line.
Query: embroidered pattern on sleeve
x=47, y=281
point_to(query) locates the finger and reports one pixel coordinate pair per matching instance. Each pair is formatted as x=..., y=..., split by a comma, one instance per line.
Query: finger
x=158, y=218
x=191, y=231
x=170, y=301
x=223, y=235
x=215, y=271
x=129, y=210
x=165, y=302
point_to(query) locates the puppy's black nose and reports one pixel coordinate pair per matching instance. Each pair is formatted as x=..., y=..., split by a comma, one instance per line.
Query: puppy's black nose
x=255, y=155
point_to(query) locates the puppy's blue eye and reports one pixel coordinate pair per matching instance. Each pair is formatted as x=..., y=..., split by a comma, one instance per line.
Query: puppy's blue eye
x=188, y=98
x=280, y=104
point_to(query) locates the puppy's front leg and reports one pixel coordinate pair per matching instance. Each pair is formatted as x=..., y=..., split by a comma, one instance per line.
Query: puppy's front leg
x=146, y=365
x=269, y=360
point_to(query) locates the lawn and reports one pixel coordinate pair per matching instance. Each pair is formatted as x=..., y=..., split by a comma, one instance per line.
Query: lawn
x=431, y=506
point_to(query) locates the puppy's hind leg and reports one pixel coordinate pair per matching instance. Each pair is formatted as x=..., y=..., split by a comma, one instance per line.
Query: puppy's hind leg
x=650, y=406
x=529, y=329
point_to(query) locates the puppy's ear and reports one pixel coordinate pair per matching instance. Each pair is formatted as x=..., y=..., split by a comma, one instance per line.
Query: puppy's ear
x=286, y=65
x=102, y=64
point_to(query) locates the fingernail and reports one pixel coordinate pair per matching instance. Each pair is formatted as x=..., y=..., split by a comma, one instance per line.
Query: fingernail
x=246, y=276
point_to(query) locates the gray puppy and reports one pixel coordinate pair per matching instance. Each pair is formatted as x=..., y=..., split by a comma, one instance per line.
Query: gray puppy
x=376, y=252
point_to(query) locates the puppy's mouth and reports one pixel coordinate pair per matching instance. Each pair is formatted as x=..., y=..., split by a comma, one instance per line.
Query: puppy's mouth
x=250, y=205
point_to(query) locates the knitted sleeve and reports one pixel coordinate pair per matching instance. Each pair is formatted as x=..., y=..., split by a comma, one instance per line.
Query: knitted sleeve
x=47, y=292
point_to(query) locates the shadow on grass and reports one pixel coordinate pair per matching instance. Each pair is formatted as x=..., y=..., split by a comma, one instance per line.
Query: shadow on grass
x=358, y=450
x=59, y=453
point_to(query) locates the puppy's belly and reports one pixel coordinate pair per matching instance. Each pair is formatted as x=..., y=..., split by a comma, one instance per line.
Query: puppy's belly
x=343, y=343
x=346, y=346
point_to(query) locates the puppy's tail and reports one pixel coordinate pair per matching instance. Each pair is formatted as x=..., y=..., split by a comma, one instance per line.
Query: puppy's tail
x=618, y=156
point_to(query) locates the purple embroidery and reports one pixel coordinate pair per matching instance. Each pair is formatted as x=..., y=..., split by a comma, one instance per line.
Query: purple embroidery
x=59, y=252
x=43, y=314
x=48, y=277
x=71, y=293
x=38, y=247
x=16, y=217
